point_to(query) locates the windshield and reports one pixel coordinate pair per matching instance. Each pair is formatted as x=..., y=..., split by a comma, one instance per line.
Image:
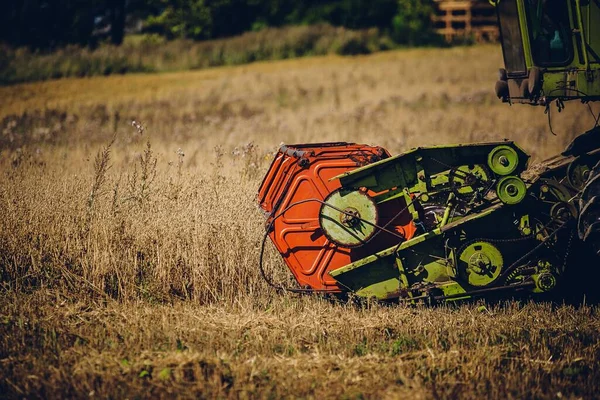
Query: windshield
x=549, y=32
x=510, y=34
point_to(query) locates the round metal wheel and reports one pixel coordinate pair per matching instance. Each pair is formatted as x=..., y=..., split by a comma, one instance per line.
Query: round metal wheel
x=553, y=193
x=479, y=263
x=579, y=171
x=503, y=160
x=511, y=190
x=348, y=217
x=545, y=282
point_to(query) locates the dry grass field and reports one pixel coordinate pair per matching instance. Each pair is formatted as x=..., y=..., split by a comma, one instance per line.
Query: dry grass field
x=129, y=250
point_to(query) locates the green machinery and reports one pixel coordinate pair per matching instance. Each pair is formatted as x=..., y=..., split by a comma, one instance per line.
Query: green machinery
x=551, y=50
x=453, y=222
x=484, y=224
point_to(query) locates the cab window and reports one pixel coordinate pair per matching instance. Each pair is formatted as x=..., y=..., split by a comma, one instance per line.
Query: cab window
x=549, y=32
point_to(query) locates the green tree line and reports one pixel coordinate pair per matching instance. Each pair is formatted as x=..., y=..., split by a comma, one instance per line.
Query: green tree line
x=49, y=24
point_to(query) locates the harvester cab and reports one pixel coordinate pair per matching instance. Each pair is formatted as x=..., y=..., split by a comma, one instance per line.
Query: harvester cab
x=446, y=223
x=551, y=50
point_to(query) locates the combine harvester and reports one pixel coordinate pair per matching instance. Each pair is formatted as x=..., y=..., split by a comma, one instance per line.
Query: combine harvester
x=454, y=222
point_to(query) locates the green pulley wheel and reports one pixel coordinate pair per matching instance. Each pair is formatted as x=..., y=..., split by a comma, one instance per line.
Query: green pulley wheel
x=479, y=263
x=545, y=282
x=511, y=190
x=348, y=217
x=503, y=160
x=578, y=172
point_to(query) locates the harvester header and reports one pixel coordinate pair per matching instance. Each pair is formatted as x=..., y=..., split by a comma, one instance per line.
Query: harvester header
x=453, y=222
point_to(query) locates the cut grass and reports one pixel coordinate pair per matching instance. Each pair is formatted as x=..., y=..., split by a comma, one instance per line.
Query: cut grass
x=55, y=346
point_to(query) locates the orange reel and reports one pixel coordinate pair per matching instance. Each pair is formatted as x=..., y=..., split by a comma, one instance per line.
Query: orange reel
x=292, y=193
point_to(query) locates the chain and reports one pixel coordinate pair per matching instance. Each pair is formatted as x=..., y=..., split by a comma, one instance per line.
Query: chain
x=515, y=265
x=441, y=163
x=568, y=251
x=513, y=240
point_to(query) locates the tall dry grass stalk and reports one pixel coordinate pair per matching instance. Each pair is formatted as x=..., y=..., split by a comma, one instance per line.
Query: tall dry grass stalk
x=140, y=241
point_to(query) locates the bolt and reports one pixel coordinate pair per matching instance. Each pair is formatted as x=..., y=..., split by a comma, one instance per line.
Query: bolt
x=503, y=161
x=350, y=217
x=586, y=175
x=511, y=190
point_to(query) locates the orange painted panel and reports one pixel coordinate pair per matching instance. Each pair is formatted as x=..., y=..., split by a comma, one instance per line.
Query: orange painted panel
x=300, y=173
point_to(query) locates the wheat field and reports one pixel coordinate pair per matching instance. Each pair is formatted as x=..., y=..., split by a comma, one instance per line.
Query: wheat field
x=130, y=234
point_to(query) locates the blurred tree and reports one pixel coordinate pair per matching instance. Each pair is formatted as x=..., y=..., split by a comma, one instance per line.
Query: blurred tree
x=116, y=9
x=353, y=14
x=181, y=19
x=232, y=17
x=412, y=24
x=359, y=14
x=45, y=24
x=206, y=19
